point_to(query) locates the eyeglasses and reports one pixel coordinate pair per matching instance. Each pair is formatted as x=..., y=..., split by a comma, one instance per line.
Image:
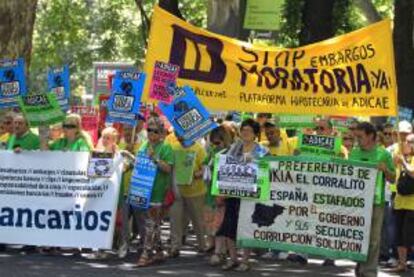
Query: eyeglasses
x=347, y=138
x=155, y=131
x=388, y=134
x=319, y=128
x=69, y=126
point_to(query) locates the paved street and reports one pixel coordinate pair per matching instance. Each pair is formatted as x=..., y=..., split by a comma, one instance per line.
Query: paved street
x=14, y=263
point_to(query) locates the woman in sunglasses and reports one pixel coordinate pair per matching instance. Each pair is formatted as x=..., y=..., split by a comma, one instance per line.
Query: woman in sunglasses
x=74, y=138
x=161, y=154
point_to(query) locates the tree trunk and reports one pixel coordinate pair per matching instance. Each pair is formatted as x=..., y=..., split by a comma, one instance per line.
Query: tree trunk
x=404, y=51
x=171, y=6
x=317, y=21
x=226, y=17
x=17, y=19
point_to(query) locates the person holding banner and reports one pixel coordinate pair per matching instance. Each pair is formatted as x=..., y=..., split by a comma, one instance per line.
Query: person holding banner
x=74, y=138
x=369, y=151
x=161, y=154
x=22, y=138
x=245, y=150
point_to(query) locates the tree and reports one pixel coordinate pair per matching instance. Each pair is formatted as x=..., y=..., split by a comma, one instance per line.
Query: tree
x=317, y=21
x=404, y=51
x=16, y=28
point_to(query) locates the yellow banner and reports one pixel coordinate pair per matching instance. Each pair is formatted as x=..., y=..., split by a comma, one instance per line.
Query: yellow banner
x=350, y=75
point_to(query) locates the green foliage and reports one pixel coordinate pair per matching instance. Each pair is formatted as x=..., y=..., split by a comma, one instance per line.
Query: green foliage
x=346, y=17
x=291, y=23
x=79, y=32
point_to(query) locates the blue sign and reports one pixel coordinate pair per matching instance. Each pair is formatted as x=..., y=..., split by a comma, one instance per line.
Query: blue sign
x=403, y=114
x=12, y=82
x=188, y=116
x=58, y=82
x=142, y=181
x=124, y=102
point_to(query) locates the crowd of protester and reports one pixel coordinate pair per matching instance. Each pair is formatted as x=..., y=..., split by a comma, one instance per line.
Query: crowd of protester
x=214, y=219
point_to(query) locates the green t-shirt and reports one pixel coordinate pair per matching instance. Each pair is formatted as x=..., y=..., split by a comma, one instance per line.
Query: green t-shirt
x=28, y=141
x=375, y=156
x=162, y=152
x=78, y=145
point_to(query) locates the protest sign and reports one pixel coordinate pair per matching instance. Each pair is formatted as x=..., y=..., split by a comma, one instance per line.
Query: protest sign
x=90, y=120
x=244, y=180
x=352, y=74
x=46, y=199
x=12, y=82
x=142, y=181
x=41, y=109
x=58, y=82
x=319, y=145
x=188, y=116
x=101, y=71
x=291, y=121
x=124, y=102
x=184, y=164
x=101, y=165
x=318, y=207
x=163, y=81
x=263, y=14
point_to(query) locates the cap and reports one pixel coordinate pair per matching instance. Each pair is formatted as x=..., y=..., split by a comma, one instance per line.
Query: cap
x=405, y=127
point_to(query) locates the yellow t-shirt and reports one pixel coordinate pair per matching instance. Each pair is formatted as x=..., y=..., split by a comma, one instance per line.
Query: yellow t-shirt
x=4, y=137
x=405, y=202
x=197, y=187
x=283, y=149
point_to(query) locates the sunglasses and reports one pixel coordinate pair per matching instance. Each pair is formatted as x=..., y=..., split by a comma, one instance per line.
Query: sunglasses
x=319, y=128
x=216, y=143
x=388, y=134
x=69, y=126
x=155, y=131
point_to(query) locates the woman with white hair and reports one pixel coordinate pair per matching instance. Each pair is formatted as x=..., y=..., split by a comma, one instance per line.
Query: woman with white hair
x=74, y=138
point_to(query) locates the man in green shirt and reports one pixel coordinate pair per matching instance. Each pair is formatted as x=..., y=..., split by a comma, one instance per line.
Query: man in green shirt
x=370, y=151
x=22, y=138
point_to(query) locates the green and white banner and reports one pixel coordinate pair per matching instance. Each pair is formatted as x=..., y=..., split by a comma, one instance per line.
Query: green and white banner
x=41, y=109
x=293, y=121
x=319, y=145
x=243, y=180
x=317, y=207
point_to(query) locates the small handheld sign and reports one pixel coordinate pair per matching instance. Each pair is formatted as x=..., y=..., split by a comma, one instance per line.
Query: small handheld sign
x=41, y=109
x=12, y=82
x=188, y=116
x=58, y=82
x=124, y=102
x=142, y=181
x=164, y=81
x=100, y=165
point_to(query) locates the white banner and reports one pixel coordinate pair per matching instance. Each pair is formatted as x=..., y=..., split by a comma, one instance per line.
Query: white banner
x=317, y=207
x=46, y=199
